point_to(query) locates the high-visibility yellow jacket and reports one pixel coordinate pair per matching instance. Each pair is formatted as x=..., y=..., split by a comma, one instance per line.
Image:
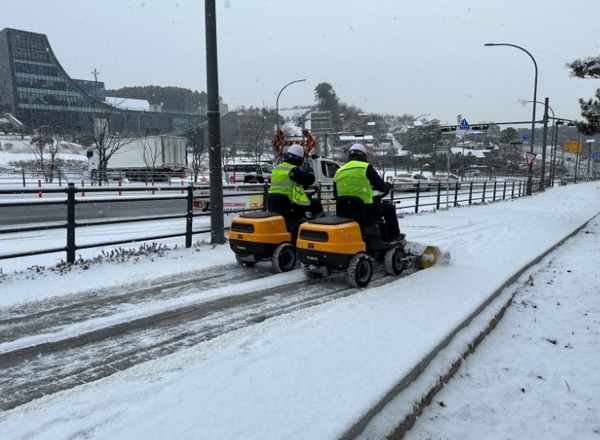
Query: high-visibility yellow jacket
x=282, y=184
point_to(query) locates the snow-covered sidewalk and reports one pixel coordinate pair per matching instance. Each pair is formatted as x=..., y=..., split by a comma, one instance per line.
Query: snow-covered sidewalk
x=537, y=374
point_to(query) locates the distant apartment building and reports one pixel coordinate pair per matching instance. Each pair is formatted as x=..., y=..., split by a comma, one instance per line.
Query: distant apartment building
x=37, y=91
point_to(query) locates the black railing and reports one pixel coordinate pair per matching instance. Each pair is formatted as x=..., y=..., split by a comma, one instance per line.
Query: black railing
x=439, y=197
x=466, y=193
x=72, y=224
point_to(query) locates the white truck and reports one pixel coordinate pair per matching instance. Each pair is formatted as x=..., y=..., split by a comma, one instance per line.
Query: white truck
x=324, y=171
x=157, y=158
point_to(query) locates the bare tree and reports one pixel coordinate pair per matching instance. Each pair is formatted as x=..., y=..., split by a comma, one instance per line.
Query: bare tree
x=38, y=145
x=255, y=135
x=46, y=140
x=150, y=150
x=59, y=134
x=105, y=145
x=195, y=135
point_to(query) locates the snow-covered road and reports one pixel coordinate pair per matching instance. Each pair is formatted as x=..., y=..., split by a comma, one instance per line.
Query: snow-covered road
x=319, y=372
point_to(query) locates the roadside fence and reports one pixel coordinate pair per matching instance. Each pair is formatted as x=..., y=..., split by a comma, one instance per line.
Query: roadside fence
x=195, y=204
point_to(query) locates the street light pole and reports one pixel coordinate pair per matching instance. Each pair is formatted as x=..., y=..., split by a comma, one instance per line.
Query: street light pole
x=214, y=126
x=589, y=142
x=556, y=124
x=529, y=178
x=277, y=102
x=417, y=118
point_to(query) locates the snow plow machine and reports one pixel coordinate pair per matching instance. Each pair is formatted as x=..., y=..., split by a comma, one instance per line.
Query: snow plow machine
x=264, y=235
x=346, y=242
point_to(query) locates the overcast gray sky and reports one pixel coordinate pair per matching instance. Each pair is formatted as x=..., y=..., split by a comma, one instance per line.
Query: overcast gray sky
x=386, y=56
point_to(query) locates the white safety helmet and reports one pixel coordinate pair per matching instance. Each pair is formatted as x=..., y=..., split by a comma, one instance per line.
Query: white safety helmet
x=359, y=147
x=296, y=150
x=358, y=151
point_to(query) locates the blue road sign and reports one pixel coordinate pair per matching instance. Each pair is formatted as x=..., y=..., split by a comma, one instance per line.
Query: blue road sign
x=525, y=137
x=595, y=155
x=464, y=125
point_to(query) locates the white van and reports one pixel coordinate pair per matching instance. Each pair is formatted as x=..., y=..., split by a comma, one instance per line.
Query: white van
x=247, y=172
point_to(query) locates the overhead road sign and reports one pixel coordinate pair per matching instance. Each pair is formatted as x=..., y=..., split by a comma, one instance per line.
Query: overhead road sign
x=573, y=146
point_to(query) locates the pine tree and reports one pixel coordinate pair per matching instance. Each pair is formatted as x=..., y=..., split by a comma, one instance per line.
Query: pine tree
x=328, y=101
x=590, y=109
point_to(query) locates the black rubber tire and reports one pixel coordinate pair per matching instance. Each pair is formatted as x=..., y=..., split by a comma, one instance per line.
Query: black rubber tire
x=284, y=258
x=360, y=270
x=308, y=273
x=394, y=261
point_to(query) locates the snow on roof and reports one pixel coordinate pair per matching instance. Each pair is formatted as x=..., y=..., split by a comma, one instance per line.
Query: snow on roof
x=128, y=104
x=470, y=152
x=293, y=112
x=366, y=137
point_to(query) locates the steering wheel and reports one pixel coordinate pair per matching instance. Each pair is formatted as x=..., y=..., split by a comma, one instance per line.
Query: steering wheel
x=378, y=195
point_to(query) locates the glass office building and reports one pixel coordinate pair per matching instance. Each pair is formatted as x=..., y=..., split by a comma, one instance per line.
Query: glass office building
x=36, y=90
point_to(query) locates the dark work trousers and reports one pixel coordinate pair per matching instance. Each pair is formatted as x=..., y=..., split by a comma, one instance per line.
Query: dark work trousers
x=388, y=212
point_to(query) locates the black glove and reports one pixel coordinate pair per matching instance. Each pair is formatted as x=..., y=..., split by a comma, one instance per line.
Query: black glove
x=388, y=188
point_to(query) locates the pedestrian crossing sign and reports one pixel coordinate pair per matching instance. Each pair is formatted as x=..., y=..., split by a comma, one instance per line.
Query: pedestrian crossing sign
x=464, y=125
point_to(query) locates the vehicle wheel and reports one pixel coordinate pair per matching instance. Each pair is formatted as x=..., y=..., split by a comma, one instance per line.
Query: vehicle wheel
x=359, y=270
x=284, y=258
x=394, y=261
x=244, y=263
x=309, y=274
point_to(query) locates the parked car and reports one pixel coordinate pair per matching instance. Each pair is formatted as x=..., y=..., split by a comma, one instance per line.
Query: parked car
x=403, y=182
x=472, y=173
x=450, y=180
x=247, y=172
x=425, y=183
x=409, y=182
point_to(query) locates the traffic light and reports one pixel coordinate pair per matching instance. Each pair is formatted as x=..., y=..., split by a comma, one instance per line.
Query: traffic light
x=515, y=142
x=480, y=127
x=449, y=128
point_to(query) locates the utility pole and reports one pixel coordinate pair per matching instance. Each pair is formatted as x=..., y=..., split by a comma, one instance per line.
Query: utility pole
x=214, y=125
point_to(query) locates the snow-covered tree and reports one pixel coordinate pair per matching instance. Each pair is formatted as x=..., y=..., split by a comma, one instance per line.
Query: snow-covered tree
x=590, y=109
x=328, y=101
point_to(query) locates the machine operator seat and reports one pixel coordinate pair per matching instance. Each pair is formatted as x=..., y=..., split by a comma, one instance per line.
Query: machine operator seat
x=282, y=205
x=356, y=209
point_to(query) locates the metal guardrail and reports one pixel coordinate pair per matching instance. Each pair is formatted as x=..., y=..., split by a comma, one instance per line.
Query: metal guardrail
x=71, y=225
x=440, y=197
x=469, y=193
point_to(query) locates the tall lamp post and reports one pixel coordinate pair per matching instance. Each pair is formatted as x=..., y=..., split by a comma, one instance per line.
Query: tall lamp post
x=529, y=178
x=214, y=126
x=556, y=124
x=277, y=102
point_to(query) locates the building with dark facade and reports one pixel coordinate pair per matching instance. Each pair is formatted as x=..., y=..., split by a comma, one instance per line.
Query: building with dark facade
x=37, y=91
